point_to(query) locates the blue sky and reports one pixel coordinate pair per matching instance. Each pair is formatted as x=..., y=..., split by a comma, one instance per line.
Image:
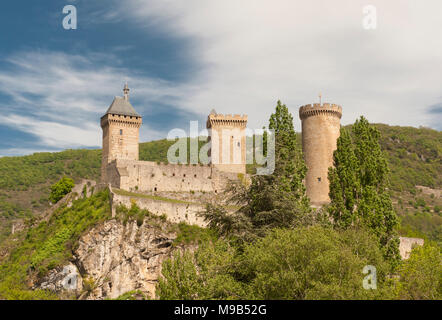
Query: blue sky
x=183, y=58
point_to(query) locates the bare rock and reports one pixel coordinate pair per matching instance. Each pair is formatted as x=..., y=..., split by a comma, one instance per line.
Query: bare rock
x=64, y=279
x=116, y=258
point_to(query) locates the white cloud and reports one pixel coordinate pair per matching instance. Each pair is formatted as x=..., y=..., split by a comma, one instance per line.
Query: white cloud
x=54, y=134
x=253, y=52
x=60, y=97
x=249, y=54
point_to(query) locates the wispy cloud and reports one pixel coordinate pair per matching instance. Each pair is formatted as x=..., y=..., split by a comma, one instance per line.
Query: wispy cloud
x=54, y=134
x=435, y=115
x=60, y=97
x=254, y=52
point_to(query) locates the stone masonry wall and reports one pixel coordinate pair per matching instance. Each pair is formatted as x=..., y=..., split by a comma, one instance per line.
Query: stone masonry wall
x=148, y=176
x=175, y=211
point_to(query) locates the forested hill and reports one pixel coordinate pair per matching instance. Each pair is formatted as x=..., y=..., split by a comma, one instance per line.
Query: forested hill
x=414, y=155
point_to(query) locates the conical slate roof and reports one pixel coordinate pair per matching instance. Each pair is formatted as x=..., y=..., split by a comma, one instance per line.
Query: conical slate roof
x=122, y=106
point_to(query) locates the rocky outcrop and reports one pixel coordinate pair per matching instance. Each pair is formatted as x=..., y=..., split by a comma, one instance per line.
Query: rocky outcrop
x=407, y=244
x=61, y=280
x=112, y=259
x=115, y=258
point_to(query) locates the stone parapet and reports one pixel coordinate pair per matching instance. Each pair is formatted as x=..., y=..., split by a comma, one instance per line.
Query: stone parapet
x=317, y=109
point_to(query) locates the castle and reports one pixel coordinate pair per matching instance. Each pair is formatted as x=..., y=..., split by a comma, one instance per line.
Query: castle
x=122, y=169
x=120, y=158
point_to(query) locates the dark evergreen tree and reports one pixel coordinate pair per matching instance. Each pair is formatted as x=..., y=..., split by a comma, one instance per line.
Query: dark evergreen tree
x=359, y=187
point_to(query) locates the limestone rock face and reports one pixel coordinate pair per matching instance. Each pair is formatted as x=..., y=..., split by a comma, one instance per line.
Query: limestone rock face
x=64, y=279
x=115, y=258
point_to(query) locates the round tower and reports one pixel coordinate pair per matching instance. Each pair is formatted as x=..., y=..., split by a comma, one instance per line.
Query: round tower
x=320, y=131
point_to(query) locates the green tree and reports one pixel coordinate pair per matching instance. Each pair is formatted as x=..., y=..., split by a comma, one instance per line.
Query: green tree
x=275, y=198
x=301, y=263
x=315, y=263
x=421, y=274
x=359, y=187
x=60, y=189
x=206, y=274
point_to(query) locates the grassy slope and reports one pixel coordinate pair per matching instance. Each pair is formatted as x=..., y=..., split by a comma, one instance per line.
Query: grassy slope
x=414, y=156
x=50, y=244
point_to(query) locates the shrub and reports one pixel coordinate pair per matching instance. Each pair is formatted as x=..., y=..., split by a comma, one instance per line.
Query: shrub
x=421, y=274
x=60, y=189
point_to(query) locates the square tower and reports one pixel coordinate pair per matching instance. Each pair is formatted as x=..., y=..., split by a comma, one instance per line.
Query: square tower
x=121, y=125
x=228, y=141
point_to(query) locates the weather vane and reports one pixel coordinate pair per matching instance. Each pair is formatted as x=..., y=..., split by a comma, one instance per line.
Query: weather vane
x=320, y=96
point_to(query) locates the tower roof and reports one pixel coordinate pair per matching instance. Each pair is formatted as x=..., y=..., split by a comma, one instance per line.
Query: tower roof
x=122, y=106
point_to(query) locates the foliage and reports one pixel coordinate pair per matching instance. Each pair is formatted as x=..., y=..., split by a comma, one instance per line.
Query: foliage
x=209, y=274
x=21, y=173
x=192, y=234
x=358, y=187
x=157, y=150
x=12, y=210
x=60, y=189
x=48, y=245
x=125, y=214
x=301, y=263
x=422, y=225
x=315, y=263
x=421, y=275
x=414, y=156
x=132, y=295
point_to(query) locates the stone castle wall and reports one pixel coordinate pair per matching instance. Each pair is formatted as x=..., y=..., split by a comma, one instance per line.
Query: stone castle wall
x=148, y=176
x=320, y=131
x=175, y=211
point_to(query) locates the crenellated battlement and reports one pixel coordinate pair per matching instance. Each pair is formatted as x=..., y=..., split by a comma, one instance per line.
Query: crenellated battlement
x=315, y=109
x=124, y=120
x=226, y=119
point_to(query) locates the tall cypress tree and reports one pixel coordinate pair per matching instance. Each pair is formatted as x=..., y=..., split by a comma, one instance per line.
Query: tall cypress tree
x=279, y=199
x=359, y=186
x=344, y=184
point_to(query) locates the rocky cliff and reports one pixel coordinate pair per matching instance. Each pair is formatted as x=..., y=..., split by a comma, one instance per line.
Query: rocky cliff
x=112, y=259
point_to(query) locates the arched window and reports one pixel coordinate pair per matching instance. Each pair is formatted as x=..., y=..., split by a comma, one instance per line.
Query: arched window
x=121, y=132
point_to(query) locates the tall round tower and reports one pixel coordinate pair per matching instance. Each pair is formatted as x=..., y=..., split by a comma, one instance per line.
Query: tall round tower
x=320, y=131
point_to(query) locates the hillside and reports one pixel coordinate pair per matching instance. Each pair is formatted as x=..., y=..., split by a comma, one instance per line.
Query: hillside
x=414, y=155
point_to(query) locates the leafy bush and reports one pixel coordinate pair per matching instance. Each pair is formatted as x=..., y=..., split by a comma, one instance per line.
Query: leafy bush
x=421, y=274
x=60, y=189
x=301, y=263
